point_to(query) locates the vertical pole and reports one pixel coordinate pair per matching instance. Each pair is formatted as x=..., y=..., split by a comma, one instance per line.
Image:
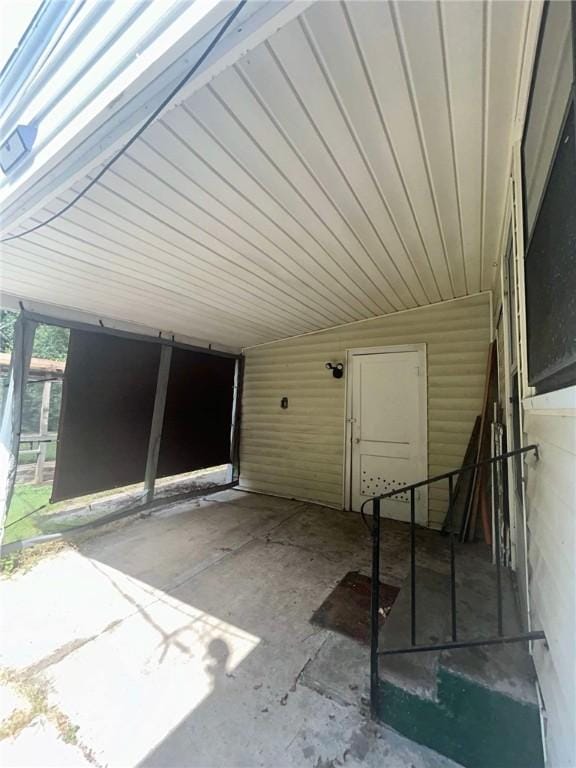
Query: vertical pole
x=235, y=425
x=11, y=421
x=452, y=559
x=497, y=554
x=412, y=568
x=375, y=608
x=43, y=432
x=157, y=422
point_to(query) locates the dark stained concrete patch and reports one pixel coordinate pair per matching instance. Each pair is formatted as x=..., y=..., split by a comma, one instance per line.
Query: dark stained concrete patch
x=347, y=608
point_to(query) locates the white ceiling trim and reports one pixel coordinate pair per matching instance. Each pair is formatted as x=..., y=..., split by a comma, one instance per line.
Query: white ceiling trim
x=62, y=315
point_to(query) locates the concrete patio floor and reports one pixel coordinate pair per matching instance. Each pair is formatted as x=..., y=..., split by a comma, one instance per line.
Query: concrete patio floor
x=183, y=639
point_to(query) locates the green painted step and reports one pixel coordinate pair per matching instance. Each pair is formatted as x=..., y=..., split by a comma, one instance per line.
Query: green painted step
x=476, y=706
x=468, y=723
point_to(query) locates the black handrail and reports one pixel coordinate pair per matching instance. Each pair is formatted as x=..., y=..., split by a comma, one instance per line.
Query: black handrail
x=375, y=595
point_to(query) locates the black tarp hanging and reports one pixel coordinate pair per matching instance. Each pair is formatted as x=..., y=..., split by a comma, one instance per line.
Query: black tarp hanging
x=107, y=407
x=198, y=414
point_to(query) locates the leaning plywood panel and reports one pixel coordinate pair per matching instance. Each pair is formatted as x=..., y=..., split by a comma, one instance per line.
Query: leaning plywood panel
x=298, y=451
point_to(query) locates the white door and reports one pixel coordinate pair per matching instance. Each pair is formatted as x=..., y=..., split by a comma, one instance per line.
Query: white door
x=388, y=429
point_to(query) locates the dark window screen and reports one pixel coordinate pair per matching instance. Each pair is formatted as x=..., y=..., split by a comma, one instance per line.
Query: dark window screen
x=107, y=405
x=198, y=415
x=551, y=274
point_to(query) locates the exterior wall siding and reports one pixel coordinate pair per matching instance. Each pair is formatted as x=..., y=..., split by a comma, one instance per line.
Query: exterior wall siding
x=550, y=484
x=299, y=452
x=551, y=516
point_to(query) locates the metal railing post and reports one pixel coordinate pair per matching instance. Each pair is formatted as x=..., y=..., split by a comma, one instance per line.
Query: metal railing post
x=412, y=568
x=497, y=555
x=452, y=561
x=375, y=609
x=375, y=594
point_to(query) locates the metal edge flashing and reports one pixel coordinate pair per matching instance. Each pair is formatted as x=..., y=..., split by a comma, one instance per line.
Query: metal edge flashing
x=169, y=340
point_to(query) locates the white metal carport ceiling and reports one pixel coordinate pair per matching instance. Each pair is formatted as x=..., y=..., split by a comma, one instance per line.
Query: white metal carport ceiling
x=353, y=164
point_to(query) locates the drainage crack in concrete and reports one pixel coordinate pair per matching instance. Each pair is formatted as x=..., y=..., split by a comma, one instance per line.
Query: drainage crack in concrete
x=231, y=551
x=311, y=551
x=311, y=659
x=314, y=685
x=61, y=653
x=291, y=516
x=298, y=676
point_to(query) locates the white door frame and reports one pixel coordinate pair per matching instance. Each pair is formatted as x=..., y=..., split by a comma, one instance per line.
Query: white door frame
x=423, y=393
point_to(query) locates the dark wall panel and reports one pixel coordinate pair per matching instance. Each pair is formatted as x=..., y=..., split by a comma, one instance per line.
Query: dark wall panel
x=197, y=420
x=108, y=400
x=551, y=274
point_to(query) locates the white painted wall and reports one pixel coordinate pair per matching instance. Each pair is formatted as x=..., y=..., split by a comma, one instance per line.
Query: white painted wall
x=299, y=452
x=550, y=421
x=551, y=514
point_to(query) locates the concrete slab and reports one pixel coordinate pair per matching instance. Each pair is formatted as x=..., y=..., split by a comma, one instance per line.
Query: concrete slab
x=340, y=671
x=174, y=544
x=10, y=702
x=38, y=745
x=506, y=669
x=142, y=679
x=64, y=602
x=336, y=536
x=416, y=673
x=344, y=738
x=184, y=639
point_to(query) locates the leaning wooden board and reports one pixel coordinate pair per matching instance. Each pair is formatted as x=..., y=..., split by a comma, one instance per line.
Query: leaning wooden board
x=480, y=476
x=455, y=516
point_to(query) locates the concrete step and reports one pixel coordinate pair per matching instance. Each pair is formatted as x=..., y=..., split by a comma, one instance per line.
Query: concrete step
x=416, y=673
x=475, y=705
x=505, y=669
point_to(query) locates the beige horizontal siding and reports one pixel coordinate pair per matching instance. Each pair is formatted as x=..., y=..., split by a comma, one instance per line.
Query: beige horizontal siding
x=300, y=451
x=551, y=515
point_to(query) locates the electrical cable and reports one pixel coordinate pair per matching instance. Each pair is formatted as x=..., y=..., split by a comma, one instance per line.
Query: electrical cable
x=228, y=21
x=38, y=509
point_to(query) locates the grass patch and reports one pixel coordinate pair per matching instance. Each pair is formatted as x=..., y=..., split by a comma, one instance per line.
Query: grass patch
x=31, y=513
x=22, y=522
x=25, y=499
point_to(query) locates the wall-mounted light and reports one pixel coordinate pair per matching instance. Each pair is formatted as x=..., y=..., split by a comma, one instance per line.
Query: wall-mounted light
x=17, y=146
x=337, y=369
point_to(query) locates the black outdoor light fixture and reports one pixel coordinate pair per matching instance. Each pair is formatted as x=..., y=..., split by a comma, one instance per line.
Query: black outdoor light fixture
x=337, y=369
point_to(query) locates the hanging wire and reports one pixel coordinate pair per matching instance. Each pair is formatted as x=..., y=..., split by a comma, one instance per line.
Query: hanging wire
x=33, y=512
x=228, y=21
